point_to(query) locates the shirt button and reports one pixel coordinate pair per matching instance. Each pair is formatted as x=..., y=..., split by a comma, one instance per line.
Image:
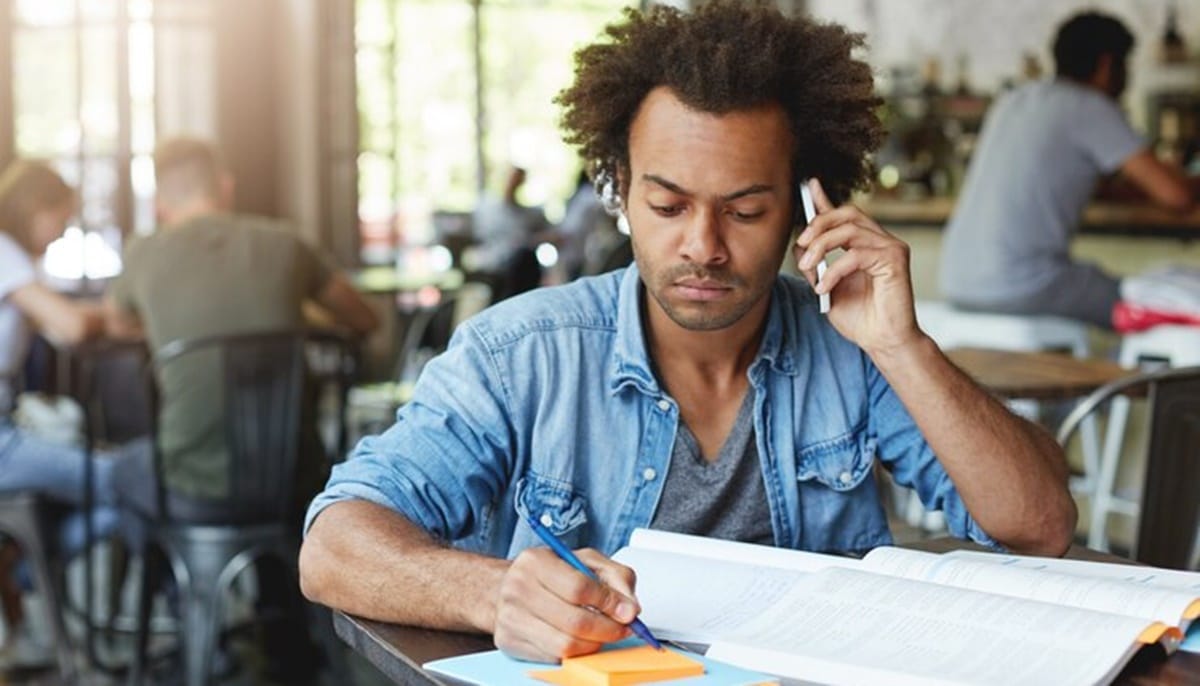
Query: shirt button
x=846, y=477
x=664, y=405
x=648, y=474
x=546, y=519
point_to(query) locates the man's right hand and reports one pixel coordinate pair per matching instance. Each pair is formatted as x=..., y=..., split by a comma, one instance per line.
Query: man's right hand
x=546, y=610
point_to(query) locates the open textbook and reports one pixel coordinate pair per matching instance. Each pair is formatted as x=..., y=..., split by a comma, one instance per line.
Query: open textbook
x=901, y=616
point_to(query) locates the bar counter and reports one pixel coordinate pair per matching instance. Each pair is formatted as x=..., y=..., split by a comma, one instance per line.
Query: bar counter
x=1104, y=218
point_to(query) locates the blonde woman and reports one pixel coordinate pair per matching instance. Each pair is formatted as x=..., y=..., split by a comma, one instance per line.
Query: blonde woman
x=35, y=206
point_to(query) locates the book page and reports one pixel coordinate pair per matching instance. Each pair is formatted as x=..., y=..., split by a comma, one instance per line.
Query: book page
x=1132, y=573
x=1168, y=605
x=846, y=626
x=697, y=599
x=733, y=551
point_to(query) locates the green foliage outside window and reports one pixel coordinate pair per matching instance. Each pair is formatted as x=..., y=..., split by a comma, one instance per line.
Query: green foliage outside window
x=417, y=103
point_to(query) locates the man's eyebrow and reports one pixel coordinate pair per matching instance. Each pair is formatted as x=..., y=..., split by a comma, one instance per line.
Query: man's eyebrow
x=673, y=187
x=751, y=190
x=676, y=188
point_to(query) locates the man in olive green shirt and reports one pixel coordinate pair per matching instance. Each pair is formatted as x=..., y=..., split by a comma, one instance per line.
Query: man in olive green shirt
x=209, y=272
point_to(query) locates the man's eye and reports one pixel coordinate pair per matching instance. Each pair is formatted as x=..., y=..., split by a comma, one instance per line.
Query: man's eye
x=748, y=216
x=667, y=210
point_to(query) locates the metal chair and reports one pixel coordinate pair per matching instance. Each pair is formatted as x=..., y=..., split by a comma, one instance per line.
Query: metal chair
x=1170, y=510
x=208, y=542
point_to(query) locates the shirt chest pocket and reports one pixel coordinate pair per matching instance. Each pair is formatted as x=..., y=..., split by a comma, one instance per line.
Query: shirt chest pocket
x=839, y=501
x=840, y=464
x=553, y=503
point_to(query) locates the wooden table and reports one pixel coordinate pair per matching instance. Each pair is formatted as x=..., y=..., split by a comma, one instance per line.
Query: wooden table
x=1035, y=375
x=388, y=280
x=399, y=651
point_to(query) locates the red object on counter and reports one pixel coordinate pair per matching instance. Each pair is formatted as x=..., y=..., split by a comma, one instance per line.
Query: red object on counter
x=1130, y=318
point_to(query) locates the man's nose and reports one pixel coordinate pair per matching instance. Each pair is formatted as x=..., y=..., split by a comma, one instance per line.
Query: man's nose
x=703, y=242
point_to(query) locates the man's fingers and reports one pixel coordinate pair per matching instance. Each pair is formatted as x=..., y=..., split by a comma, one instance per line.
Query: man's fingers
x=523, y=634
x=809, y=273
x=877, y=261
x=846, y=236
x=820, y=200
x=614, y=574
x=578, y=590
x=845, y=265
x=548, y=609
x=846, y=215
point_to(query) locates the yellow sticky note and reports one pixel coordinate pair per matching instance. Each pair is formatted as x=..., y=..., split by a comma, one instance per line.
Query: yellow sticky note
x=638, y=665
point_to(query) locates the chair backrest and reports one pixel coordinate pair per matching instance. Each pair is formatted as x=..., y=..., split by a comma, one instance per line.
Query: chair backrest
x=1170, y=506
x=333, y=363
x=263, y=377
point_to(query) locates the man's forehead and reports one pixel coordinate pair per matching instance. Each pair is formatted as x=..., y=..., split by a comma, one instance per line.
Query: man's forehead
x=666, y=131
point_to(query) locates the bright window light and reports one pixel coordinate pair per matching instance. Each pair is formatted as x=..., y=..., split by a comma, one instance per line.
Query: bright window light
x=65, y=257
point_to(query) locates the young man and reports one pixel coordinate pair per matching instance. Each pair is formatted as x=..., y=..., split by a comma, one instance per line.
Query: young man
x=697, y=391
x=1043, y=148
x=210, y=272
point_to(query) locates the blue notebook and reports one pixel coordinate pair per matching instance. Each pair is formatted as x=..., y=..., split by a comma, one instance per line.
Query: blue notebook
x=494, y=668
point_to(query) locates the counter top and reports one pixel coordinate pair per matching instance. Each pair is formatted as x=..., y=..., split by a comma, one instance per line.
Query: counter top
x=1126, y=219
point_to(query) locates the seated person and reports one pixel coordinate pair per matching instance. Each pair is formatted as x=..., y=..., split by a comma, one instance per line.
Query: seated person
x=507, y=233
x=35, y=206
x=583, y=218
x=696, y=391
x=1042, y=150
x=209, y=272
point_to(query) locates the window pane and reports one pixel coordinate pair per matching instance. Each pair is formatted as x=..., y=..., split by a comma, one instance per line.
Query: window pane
x=97, y=193
x=44, y=92
x=375, y=100
x=185, y=79
x=98, y=112
x=182, y=12
x=373, y=23
x=98, y=11
x=45, y=12
x=141, y=173
x=528, y=50
x=141, y=85
x=435, y=104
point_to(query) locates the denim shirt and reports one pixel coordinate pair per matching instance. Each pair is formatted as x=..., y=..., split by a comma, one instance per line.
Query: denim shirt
x=547, y=404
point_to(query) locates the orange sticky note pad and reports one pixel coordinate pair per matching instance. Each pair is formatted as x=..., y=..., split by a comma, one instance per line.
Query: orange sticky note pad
x=639, y=665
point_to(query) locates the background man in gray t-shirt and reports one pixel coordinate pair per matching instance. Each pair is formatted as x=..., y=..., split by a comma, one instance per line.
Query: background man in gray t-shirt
x=1042, y=150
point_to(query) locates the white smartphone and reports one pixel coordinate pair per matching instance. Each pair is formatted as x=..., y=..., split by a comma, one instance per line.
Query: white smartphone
x=810, y=211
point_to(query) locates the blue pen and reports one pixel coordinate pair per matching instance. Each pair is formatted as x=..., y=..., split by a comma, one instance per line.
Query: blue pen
x=569, y=557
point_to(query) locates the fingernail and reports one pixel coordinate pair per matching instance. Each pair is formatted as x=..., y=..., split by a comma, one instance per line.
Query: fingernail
x=625, y=612
x=806, y=260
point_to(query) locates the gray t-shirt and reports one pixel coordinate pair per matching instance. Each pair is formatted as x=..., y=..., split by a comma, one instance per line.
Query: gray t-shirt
x=723, y=499
x=16, y=270
x=1042, y=149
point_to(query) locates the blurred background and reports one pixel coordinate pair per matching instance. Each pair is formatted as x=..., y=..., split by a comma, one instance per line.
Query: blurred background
x=374, y=125
x=379, y=130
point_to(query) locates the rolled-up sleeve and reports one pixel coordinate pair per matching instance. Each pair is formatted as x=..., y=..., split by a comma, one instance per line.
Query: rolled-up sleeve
x=904, y=451
x=446, y=458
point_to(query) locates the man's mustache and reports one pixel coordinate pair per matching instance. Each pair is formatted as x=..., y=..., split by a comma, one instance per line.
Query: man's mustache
x=683, y=271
